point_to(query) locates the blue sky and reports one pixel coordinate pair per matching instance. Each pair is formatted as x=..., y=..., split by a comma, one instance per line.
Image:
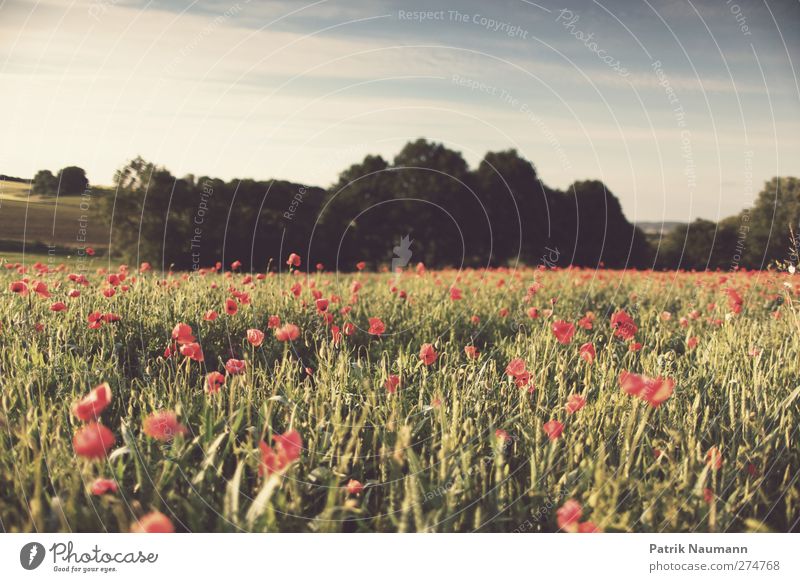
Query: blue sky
x=682, y=108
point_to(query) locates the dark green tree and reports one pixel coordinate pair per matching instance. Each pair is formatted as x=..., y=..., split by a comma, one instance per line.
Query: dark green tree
x=44, y=182
x=775, y=214
x=72, y=180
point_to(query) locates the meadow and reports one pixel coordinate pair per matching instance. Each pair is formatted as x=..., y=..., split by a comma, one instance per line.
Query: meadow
x=35, y=224
x=512, y=400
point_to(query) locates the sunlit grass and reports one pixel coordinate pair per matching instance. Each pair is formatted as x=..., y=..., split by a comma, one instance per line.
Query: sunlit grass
x=427, y=454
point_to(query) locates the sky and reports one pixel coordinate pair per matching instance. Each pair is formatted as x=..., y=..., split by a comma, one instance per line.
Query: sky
x=682, y=108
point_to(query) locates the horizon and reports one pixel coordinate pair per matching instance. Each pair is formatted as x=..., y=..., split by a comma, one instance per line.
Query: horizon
x=663, y=221
x=689, y=125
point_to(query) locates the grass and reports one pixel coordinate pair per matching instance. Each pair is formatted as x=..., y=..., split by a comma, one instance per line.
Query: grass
x=428, y=455
x=38, y=221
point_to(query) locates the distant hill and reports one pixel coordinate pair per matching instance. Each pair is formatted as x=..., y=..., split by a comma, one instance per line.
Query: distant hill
x=5, y=178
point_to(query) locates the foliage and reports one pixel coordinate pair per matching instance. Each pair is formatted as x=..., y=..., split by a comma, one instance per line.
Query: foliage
x=499, y=214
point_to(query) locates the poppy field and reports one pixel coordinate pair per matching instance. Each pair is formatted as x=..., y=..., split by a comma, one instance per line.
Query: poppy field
x=504, y=400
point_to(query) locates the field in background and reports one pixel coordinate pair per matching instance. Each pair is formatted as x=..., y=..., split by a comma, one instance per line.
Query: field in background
x=533, y=433
x=39, y=221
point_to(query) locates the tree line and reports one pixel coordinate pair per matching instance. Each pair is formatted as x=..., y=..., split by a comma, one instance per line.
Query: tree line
x=67, y=181
x=426, y=205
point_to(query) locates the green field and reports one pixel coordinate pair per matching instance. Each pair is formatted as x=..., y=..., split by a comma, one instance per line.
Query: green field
x=39, y=221
x=461, y=445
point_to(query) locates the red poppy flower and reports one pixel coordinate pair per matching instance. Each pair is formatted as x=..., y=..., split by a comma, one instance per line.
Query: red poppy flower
x=91, y=405
x=691, y=343
x=145, y=267
x=714, y=459
x=586, y=322
x=182, y=334
x=90, y=251
x=376, y=326
x=235, y=367
x=631, y=383
x=214, y=381
x=392, y=383
x=273, y=321
x=523, y=380
x=231, y=307
x=589, y=527
x=103, y=486
x=235, y=265
x=348, y=328
x=287, y=450
x=74, y=293
x=428, y=354
x=361, y=265
x=563, y=331
x=471, y=352
x=735, y=300
x=163, y=426
x=210, y=315
x=503, y=312
x=501, y=435
x=515, y=367
x=193, y=351
x=634, y=346
x=293, y=260
x=475, y=320
x=588, y=353
x=18, y=287
x=455, y=293
x=321, y=305
x=623, y=325
x=153, y=522
x=553, y=429
x=255, y=337
x=568, y=516
x=533, y=313
x=574, y=403
x=93, y=441
x=654, y=391
x=354, y=487
x=40, y=288
x=288, y=332
x=58, y=306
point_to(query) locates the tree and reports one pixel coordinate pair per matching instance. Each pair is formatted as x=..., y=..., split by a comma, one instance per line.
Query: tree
x=44, y=182
x=593, y=229
x=775, y=214
x=72, y=180
x=440, y=210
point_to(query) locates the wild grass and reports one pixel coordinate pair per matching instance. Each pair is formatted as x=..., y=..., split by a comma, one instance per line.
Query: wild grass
x=427, y=454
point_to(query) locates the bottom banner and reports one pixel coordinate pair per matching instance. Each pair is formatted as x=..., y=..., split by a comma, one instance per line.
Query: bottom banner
x=388, y=557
